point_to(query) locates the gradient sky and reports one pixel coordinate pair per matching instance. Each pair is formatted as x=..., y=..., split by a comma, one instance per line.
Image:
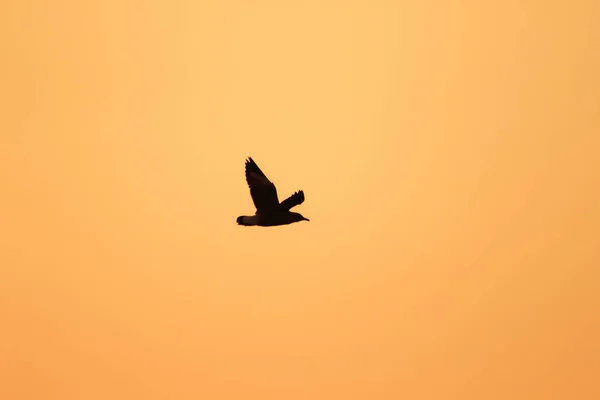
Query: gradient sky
x=449, y=156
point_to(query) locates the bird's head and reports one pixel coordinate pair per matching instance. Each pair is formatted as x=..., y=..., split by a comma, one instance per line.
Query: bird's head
x=296, y=217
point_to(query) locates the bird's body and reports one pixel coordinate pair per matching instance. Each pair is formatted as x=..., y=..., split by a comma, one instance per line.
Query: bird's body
x=269, y=211
x=270, y=219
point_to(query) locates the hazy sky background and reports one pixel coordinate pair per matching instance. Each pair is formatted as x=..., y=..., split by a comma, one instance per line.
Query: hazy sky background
x=449, y=152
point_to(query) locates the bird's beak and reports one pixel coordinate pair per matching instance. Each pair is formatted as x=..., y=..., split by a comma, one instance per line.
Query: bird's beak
x=306, y=219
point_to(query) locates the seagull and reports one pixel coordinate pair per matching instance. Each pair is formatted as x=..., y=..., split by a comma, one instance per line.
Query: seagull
x=269, y=211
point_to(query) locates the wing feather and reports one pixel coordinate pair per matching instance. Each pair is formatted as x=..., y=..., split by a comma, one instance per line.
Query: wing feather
x=293, y=201
x=262, y=190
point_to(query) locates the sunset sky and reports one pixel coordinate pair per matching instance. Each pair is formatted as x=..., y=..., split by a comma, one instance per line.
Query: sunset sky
x=450, y=156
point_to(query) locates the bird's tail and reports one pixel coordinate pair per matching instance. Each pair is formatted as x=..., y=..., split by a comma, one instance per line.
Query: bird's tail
x=247, y=220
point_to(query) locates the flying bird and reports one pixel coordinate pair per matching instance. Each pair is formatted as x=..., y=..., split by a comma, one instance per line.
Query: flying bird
x=269, y=211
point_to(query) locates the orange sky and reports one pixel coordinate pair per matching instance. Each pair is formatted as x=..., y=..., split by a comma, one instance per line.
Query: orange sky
x=449, y=156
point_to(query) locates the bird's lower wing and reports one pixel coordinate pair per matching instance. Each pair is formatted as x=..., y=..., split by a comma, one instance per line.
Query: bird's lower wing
x=293, y=201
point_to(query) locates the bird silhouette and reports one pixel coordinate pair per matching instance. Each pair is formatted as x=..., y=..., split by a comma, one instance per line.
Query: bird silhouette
x=269, y=211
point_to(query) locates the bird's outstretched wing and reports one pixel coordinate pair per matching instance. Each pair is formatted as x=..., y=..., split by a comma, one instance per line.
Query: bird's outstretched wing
x=262, y=190
x=293, y=201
